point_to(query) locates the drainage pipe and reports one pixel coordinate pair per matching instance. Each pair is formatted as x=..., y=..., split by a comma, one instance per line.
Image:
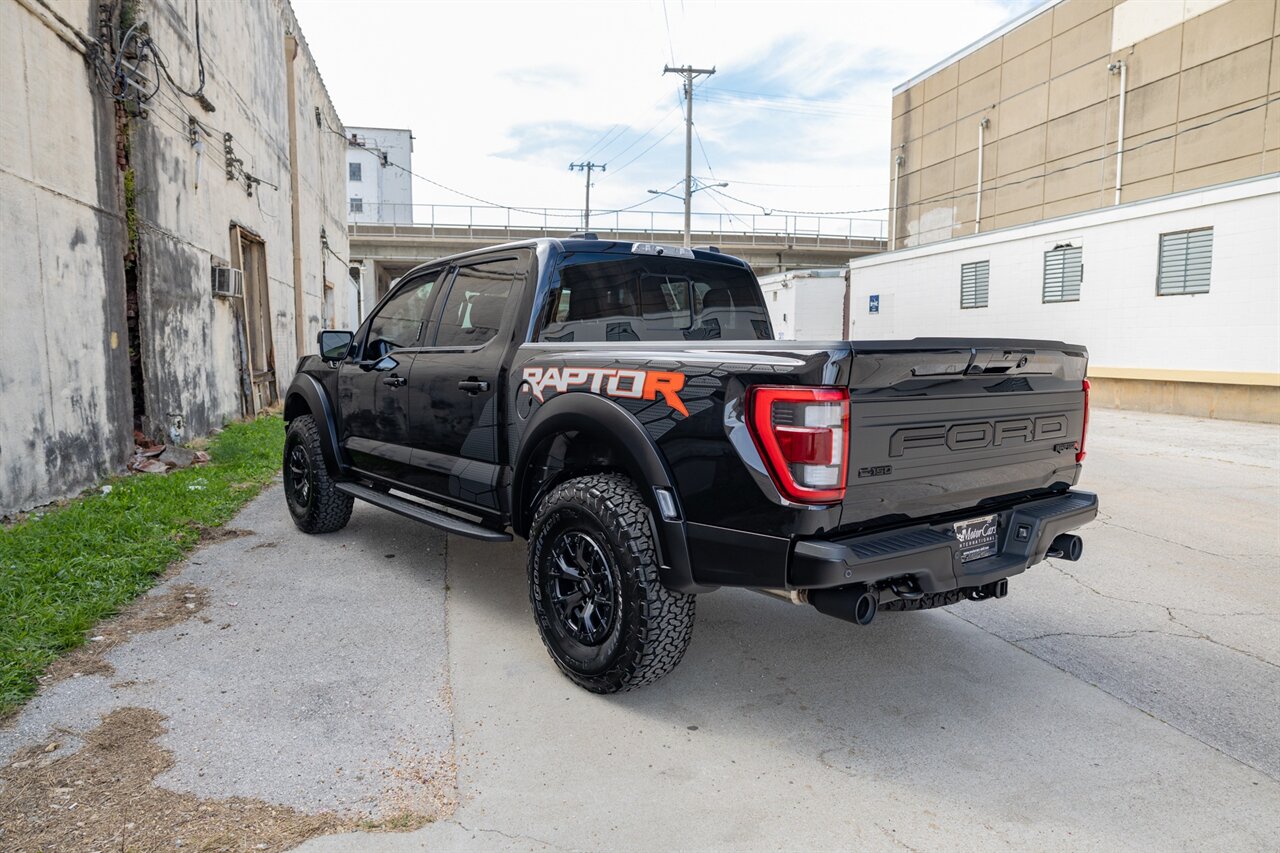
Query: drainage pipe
x=977, y=218
x=893, y=220
x=1120, y=66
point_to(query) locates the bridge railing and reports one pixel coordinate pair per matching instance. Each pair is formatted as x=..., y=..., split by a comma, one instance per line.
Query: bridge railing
x=482, y=222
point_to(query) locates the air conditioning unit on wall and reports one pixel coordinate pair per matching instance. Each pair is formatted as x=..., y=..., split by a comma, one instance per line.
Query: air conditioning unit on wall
x=227, y=282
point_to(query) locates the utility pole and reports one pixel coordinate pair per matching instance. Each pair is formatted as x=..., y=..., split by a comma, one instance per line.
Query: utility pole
x=688, y=72
x=587, y=167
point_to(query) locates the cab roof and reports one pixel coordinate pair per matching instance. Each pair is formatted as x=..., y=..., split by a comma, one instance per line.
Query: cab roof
x=590, y=243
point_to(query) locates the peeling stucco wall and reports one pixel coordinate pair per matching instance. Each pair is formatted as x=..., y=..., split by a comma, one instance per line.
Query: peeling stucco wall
x=64, y=370
x=191, y=356
x=66, y=399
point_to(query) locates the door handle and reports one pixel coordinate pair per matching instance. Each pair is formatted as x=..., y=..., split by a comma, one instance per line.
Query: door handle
x=473, y=386
x=394, y=381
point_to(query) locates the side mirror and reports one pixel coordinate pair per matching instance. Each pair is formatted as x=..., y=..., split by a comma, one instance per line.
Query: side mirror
x=334, y=344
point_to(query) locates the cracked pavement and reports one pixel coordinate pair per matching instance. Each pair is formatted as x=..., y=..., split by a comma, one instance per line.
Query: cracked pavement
x=1124, y=702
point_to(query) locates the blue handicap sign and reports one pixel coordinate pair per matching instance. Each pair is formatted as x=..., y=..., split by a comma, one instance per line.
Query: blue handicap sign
x=873, y=303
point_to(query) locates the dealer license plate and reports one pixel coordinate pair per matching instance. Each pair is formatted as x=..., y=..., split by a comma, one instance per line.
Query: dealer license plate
x=977, y=537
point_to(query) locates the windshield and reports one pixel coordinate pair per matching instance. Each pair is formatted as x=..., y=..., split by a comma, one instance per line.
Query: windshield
x=605, y=297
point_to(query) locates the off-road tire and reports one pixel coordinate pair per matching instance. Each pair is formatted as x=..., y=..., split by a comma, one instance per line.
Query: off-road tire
x=325, y=509
x=652, y=625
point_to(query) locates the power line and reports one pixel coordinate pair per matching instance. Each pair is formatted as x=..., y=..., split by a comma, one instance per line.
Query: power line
x=602, y=138
x=1103, y=157
x=667, y=22
x=645, y=151
x=618, y=155
x=483, y=201
x=800, y=186
x=707, y=160
x=770, y=211
x=703, y=149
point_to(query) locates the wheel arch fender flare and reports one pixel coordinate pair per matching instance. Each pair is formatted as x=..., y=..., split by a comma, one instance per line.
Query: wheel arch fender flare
x=306, y=396
x=580, y=411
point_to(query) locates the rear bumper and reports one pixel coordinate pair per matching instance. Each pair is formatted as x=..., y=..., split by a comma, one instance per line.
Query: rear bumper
x=929, y=553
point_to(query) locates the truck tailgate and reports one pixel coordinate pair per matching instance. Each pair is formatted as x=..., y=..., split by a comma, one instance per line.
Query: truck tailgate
x=938, y=426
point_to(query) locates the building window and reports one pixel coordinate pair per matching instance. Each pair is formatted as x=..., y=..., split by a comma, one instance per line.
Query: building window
x=1185, y=258
x=354, y=172
x=1063, y=273
x=973, y=284
x=357, y=205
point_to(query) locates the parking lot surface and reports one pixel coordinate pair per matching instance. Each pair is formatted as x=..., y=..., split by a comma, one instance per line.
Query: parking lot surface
x=1127, y=701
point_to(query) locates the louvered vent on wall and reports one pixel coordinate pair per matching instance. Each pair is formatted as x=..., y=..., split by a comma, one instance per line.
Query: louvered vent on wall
x=1063, y=273
x=1185, y=261
x=974, y=278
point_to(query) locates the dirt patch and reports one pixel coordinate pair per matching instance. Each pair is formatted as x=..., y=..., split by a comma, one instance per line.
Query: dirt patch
x=104, y=797
x=149, y=613
x=209, y=535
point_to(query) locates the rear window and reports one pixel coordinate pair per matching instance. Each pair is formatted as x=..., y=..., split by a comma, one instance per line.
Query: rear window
x=624, y=298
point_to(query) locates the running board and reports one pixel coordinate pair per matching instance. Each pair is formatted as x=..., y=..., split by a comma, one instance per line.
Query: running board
x=426, y=515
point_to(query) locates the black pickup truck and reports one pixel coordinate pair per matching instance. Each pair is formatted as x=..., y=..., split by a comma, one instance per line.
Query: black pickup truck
x=625, y=408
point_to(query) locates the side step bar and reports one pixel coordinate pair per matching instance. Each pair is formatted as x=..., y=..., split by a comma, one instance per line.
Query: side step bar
x=426, y=515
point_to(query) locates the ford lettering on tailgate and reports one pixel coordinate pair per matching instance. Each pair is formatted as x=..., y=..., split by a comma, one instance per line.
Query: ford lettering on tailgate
x=978, y=434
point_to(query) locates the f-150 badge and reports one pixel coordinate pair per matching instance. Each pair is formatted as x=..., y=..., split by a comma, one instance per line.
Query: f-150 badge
x=628, y=384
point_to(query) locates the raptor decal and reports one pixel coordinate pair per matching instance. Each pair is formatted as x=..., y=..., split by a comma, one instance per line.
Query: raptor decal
x=627, y=384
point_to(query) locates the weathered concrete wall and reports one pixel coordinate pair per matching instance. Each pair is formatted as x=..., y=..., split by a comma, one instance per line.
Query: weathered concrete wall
x=66, y=398
x=191, y=356
x=64, y=368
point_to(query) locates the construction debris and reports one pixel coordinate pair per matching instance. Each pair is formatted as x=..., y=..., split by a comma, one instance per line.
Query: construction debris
x=151, y=457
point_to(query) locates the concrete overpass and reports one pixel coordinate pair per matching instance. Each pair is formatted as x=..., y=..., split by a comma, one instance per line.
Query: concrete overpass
x=384, y=252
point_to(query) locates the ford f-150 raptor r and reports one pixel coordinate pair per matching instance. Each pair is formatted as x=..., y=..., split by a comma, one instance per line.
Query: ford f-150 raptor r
x=625, y=408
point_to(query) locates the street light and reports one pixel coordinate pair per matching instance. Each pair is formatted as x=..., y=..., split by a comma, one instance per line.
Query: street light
x=691, y=192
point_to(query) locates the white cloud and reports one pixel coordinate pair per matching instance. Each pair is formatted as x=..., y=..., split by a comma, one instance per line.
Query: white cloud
x=503, y=95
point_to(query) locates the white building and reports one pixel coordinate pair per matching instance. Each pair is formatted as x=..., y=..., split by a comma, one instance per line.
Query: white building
x=807, y=305
x=1177, y=297
x=1105, y=172
x=379, y=183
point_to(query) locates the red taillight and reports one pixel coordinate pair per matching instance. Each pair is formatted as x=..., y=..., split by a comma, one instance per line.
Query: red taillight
x=1084, y=428
x=802, y=434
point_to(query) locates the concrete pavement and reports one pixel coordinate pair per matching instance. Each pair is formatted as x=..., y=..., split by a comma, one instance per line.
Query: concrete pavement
x=1124, y=702
x=314, y=678
x=1127, y=701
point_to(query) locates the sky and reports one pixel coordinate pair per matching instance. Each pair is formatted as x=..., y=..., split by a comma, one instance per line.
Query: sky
x=503, y=96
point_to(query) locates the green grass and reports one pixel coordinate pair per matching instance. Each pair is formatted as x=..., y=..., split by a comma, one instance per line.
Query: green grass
x=65, y=569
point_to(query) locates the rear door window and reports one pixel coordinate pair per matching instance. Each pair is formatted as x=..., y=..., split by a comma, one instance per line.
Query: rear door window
x=472, y=313
x=623, y=298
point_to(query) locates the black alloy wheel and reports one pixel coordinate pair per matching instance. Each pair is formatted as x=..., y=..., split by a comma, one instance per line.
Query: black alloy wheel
x=580, y=587
x=297, y=478
x=602, y=611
